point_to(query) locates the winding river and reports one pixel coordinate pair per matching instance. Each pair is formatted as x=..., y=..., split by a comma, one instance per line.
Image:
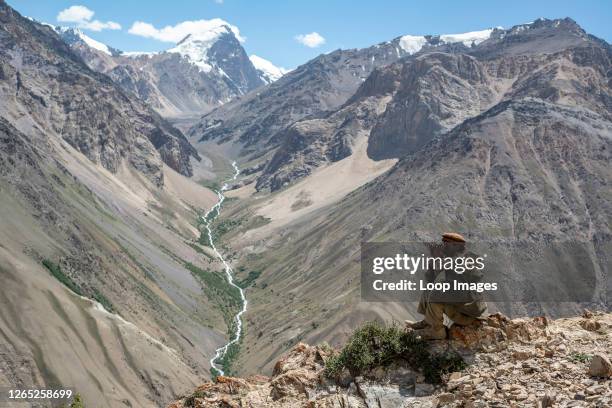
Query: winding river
x=229, y=273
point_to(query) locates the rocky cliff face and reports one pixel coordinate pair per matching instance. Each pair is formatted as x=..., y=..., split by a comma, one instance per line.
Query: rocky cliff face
x=427, y=94
x=46, y=86
x=530, y=362
x=200, y=73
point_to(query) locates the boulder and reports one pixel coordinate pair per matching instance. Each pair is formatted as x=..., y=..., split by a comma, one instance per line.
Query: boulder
x=600, y=366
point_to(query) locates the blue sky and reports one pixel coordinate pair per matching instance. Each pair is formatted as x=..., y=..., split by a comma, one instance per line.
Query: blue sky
x=271, y=27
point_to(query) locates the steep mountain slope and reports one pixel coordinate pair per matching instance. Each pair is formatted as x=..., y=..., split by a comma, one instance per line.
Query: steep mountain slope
x=103, y=279
x=203, y=71
x=45, y=85
x=430, y=92
x=500, y=146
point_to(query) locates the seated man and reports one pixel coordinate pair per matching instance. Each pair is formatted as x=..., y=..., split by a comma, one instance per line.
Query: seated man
x=464, y=309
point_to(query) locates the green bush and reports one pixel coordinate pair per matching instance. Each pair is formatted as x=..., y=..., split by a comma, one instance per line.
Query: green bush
x=249, y=280
x=77, y=402
x=375, y=345
x=57, y=272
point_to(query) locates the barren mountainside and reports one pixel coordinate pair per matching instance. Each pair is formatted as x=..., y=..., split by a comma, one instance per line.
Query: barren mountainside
x=46, y=86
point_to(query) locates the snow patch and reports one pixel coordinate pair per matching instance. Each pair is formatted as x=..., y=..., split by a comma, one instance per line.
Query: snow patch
x=412, y=43
x=136, y=54
x=468, y=39
x=269, y=71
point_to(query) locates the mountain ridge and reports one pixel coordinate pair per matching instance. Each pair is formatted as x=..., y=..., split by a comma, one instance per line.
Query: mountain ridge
x=211, y=69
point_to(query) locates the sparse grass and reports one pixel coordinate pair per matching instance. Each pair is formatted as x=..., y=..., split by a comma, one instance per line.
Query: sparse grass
x=375, y=345
x=148, y=275
x=580, y=357
x=210, y=184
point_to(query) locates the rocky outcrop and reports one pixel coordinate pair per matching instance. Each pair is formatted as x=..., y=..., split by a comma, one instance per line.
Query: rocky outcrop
x=45, y=86
x=436, y=92
x=523, y=361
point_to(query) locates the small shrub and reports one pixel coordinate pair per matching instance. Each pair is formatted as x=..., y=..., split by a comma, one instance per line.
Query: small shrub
x=190, y=401
x=580, y=357
x=375, y=345
x=77, y=402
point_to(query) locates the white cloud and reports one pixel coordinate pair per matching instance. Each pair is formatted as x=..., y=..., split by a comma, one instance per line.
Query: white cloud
x=179, y=31
x=81, y=16
x=312, y=40
x=219, y=1
x=75, y=14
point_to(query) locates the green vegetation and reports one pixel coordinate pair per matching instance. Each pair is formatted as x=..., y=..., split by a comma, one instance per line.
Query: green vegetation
x=228, y=300
x=224, y=226
x=375, y=345
x=229, y=357
x=218, y=228
x=219, y=291
x=580, y=357
x=249, y=280
x=204, y=240
x=210, y=184
x=103, y=300
x=190, y=401
x=57, y=272
x=77, y=402
x=226, y=361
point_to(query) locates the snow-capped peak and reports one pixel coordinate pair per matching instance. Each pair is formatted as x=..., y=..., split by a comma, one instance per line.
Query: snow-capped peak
x=414, y=43
x=268, y=71
x=195, y=46
x=74, y=34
